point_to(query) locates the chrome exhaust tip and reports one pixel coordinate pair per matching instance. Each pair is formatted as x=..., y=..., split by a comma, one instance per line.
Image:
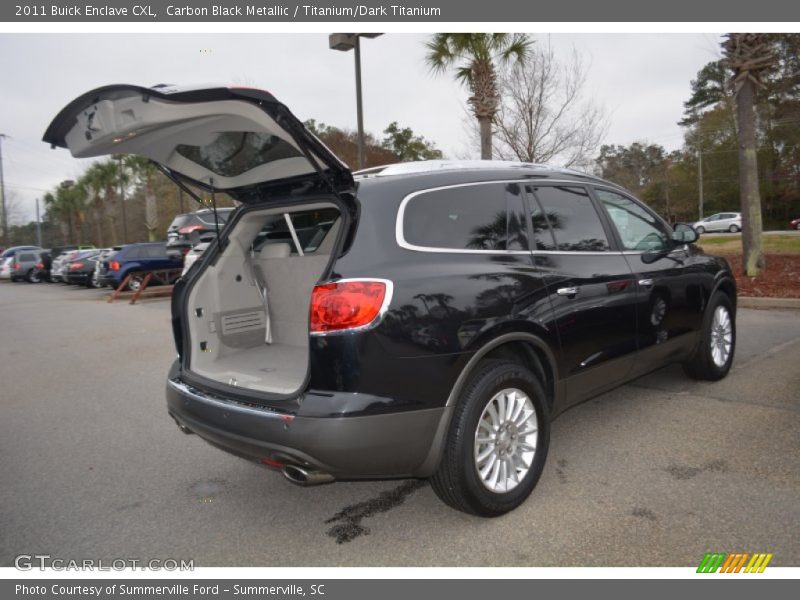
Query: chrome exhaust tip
x=304, y=477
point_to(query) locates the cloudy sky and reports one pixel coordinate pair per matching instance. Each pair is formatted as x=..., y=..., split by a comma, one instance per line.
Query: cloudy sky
x=642, y=80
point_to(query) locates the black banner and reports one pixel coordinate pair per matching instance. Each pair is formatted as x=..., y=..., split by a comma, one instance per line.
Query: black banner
x=367, y=11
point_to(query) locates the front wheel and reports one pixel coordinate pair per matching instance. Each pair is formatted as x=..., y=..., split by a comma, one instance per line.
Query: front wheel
x=713, y=357
x=734, y=229
x=497, y=444
x=700, y=230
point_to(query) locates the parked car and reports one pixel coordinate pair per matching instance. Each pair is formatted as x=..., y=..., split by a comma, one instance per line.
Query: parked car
x=80, y=270
x=192, y=256
x=13, y=250
x=795, y=224
x=101, y=266
x=190, y=229
x=41, y=272
x=23, y=266
x=60, y=256
x=359, y=354
x=5, y=267
x=727, y=221
x=135, y=260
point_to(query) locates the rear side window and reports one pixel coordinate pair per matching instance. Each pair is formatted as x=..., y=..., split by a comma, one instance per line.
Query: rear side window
x=574, y=223
x=156, y=251
x=472, y=217
x=310, y=226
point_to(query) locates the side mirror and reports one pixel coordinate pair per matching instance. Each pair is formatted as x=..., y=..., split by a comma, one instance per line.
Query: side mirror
x=684, y=234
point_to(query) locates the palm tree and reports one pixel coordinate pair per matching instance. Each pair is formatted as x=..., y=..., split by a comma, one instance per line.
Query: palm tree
x=144, y=171
x=59, y=212
x=748, y=56
x=104, y=177
x=473, y=56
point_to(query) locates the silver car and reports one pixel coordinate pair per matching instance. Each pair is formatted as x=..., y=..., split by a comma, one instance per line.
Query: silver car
x=22, y=266
x=726, y=221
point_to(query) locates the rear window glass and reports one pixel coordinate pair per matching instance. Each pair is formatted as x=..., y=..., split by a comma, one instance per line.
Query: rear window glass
x=27, y=257
x=311, y=227
x=471, y=217
x=235, y=152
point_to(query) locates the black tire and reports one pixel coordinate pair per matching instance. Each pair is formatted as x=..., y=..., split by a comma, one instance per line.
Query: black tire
x=700, y=230
x=701, y=365
x=457, y=481
x=32, y=276
x=733, y=229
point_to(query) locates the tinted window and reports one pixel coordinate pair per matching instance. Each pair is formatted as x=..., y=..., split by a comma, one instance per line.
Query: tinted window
x=132, y=253
x=311, y=227
x=637, y=228
x=158, y=251
x=26, y=257
x=235, y=152
x=472, y=217
x=574, y=222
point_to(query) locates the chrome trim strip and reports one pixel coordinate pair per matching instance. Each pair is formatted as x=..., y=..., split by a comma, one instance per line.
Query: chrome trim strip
x=197, y=395
x=401, y=240
x=387, y=299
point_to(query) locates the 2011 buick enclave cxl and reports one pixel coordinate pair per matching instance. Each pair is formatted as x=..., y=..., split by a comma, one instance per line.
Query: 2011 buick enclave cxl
x=418, y=320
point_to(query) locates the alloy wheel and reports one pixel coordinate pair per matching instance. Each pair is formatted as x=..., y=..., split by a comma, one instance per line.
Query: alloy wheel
x=721, y=336
x=505, y=440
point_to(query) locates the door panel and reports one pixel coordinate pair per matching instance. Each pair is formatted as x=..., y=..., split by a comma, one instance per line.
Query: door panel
x=670, y=301
x=591, y=290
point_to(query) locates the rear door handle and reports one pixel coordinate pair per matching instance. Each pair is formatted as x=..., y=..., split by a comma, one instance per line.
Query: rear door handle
x=648, y=283
x=570, y=292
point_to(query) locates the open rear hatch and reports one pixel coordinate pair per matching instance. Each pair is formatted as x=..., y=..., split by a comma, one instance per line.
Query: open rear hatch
x=239, y=140
x=243, y=314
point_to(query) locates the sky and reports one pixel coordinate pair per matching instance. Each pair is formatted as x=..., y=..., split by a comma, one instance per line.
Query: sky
x=640, y=79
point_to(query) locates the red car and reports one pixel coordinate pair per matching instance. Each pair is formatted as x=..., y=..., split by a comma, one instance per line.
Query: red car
x=795, y=224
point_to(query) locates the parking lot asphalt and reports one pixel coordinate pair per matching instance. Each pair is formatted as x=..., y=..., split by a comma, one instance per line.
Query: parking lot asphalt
x=655, y=473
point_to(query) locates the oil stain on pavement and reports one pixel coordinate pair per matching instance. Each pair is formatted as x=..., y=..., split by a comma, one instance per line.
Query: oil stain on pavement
x=348, y=520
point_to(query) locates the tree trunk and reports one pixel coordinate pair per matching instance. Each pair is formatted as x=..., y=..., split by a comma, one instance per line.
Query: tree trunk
x=753, y=259
x=150, y=211
x=486, y=137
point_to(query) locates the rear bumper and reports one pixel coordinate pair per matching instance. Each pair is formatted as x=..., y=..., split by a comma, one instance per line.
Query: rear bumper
x=399, y=444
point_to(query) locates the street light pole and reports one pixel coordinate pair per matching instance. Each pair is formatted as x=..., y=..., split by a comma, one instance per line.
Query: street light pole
x=3, y=191
x=352, y=41
x=38, y=226
x=359, y=108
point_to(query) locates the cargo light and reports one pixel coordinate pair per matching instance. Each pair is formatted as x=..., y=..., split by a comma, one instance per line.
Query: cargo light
x=348, y=304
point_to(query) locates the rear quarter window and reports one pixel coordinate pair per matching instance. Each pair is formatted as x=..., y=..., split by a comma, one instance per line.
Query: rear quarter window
x=481, y=217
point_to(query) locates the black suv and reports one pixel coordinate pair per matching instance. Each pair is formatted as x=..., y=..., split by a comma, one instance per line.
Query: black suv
x=190, y=229
x=423, y=320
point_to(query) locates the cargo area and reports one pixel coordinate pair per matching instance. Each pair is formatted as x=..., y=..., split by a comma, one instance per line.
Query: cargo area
x=248, y=313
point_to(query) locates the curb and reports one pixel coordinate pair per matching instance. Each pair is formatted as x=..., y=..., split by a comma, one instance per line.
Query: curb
x=763, y=302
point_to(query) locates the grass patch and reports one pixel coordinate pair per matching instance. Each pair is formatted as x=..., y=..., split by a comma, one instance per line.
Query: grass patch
x=729, y=244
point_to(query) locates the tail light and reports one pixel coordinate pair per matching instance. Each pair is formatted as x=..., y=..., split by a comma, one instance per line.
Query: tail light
x=16, y=266
x=189, y=229
x=348, y=304
x=75, y=266
x=114, y=265
x=40, y=265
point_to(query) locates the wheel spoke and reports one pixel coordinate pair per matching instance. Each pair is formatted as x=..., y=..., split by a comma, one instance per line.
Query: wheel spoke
x=507, y=425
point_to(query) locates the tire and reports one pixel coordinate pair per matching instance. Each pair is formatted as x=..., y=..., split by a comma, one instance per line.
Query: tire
x=135, y=282
x=733, y=229
x=458, y=482
x=798, y=227
x=706, y=364
x=700, y=230
x=33, y=276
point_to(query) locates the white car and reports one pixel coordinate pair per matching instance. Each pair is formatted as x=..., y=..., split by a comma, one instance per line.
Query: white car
x=5, y=267
x=192, y=256
x=727, y=221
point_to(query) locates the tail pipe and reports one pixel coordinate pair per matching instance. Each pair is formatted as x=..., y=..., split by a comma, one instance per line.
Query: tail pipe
x=305, y=477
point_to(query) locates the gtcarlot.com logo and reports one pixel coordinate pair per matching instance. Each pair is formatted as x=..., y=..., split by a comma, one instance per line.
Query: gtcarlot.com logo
x=736, y=562
x=28, y=562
